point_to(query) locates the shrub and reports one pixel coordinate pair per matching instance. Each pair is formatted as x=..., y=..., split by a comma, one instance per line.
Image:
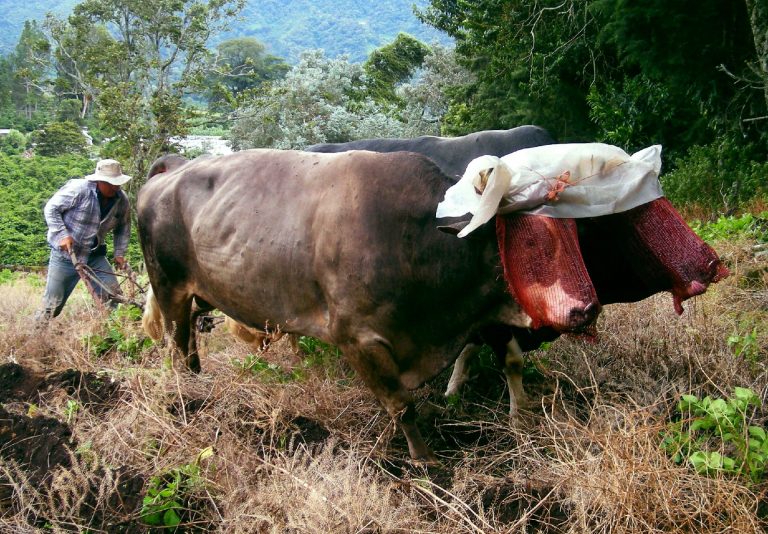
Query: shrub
x=13, y=143
x=719, y=176
x=59, y=138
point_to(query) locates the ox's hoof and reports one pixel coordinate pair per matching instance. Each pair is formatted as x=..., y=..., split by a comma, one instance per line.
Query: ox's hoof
x=193, y=364
x=427, y=460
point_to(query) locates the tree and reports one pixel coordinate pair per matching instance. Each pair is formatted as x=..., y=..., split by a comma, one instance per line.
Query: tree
x=68, y=109
x=568, y=65
x=393, y=64
x=319, y=100
x=138, y=60
x=681, y=48
x=29, y=62
x=59, y=138
x=240, y=65
x=532, y=63
x=757, y=11
x=427, y=97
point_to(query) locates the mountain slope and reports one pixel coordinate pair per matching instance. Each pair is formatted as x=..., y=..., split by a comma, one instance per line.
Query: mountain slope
x=285, y=27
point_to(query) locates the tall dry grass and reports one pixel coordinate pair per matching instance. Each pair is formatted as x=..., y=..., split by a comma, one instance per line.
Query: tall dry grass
x=313, y=452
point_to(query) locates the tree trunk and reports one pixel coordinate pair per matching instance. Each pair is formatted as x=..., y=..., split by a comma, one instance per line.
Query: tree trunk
x=757, y=10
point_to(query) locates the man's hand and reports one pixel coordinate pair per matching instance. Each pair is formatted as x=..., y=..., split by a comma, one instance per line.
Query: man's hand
x=120, y=263
x=66, y=244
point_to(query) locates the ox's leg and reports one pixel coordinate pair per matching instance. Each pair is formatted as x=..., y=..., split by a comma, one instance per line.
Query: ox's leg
x=177, y=311
x=460, y=373
x=373, y=361
x=199, y=308
x=513, y=371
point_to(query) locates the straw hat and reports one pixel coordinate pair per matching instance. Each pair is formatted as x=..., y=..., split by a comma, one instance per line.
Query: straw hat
x=110, y=171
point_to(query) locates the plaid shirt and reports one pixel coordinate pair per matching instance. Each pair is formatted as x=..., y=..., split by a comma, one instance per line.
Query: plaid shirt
x=74, y=211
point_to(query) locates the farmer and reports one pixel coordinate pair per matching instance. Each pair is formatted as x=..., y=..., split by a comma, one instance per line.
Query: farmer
x=79, y=217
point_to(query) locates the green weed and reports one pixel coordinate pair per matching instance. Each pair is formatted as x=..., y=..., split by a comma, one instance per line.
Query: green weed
x=120, y=335
x=269, y=372
x=745, y=226
x=745, y=345
x=70, y=410
x=168, y=493
x=6, y=276
x=715, y=435
x=318, y=352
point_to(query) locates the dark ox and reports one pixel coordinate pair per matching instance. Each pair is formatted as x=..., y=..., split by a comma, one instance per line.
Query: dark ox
x=451, y=154
x=651, y=246
x=341, y=247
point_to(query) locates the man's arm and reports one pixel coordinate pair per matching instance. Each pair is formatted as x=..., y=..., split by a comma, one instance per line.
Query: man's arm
x=63, y=200
x=122, y=234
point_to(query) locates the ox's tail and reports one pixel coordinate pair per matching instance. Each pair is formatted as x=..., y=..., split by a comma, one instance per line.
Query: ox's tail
x=152, y=321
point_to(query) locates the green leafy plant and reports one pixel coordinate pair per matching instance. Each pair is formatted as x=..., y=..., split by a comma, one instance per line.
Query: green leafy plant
x=6, y=276
x=167, y=494
x=324, y=356
x=745, y=226
x=120, y=335
x=70, y=410
x=714, y=435
x=745, y=344
x=265, y=370
x=317, y=352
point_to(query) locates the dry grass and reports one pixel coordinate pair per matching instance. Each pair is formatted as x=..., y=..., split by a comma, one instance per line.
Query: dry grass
x=315, y=453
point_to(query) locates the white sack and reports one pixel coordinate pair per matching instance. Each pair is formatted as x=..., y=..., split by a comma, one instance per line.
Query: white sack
x=581, y=179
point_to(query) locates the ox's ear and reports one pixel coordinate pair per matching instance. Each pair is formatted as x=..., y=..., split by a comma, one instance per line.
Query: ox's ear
x=453, y=228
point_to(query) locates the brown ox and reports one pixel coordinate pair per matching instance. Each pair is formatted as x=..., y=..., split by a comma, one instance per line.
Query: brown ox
x=341, y=247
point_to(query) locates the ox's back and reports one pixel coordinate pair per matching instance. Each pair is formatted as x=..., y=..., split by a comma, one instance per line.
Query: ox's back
x=451, y=154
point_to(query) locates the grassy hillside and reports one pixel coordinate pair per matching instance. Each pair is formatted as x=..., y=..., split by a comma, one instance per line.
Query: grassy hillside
x=287, y=28
x=337, y=26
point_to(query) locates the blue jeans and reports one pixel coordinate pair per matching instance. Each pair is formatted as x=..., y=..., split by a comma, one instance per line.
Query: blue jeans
x=63, y=277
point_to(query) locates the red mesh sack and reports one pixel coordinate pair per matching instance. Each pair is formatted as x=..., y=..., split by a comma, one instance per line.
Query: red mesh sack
x=545, y=272
x=648, y=249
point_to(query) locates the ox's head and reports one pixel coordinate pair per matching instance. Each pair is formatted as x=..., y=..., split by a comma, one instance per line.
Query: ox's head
x=545, y=271
x=166, y=163
x=648, y=249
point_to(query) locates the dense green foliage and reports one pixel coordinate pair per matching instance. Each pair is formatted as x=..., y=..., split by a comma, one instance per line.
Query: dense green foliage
x=13, y=143
x=26, y=185
x=720, y=176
